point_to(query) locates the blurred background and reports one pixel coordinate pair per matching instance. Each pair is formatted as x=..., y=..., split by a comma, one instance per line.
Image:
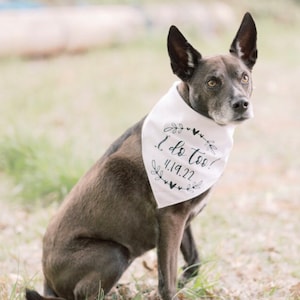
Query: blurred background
x=74, y=75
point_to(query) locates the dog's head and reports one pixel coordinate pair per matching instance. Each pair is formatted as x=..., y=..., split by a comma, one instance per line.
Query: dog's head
x=218, y=87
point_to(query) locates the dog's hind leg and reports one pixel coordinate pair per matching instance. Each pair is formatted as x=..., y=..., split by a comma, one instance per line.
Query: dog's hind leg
x=90, y=271
x=89, y=287
x=190, y=255
x=100, y=273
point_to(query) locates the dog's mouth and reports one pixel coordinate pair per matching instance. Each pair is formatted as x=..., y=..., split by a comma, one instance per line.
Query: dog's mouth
x=243, y=117
x=227, y=116
x=240, y=119
x=233, y=120
x=248, y=114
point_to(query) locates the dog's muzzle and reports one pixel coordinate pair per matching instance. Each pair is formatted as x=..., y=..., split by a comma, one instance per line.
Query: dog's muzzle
x=242, y=110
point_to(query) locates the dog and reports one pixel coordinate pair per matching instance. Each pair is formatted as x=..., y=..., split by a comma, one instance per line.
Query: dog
x=112, y=215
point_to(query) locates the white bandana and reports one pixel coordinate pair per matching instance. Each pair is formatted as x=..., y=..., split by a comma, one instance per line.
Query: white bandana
x=184, y=152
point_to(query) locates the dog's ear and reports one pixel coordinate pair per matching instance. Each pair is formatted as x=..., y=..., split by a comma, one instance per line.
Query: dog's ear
x=244, y=43
x=184, y=58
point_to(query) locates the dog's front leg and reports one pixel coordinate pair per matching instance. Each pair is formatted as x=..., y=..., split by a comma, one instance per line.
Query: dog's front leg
x=171, y=227
x=190, y=255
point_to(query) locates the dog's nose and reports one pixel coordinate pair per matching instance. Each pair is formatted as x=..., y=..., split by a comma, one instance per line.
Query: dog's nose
x=240, y=106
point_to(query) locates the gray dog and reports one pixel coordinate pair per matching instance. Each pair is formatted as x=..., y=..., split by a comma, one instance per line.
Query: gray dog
x=153, y=180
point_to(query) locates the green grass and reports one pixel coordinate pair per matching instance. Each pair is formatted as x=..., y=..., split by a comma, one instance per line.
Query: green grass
x=16, y=289
x=203, y=286
x=39, y=170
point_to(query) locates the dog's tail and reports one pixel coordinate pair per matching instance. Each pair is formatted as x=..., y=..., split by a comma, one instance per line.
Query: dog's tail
x=33, y=295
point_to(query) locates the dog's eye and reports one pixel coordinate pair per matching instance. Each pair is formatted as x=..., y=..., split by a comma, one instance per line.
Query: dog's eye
x=245, y=78
x=212, y=83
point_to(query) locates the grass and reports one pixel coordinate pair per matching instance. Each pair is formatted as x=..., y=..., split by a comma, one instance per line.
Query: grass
x=59, y=115
x=203, y=286
x=38, y=169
